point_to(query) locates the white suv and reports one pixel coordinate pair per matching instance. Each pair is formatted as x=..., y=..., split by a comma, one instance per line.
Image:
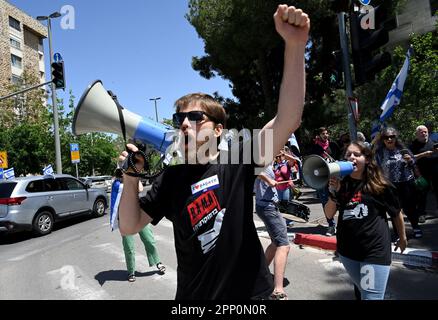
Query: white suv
x=35, y=203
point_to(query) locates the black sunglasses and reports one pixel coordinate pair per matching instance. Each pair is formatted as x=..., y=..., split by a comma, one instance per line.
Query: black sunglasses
x=197, y=116
x=391, y=136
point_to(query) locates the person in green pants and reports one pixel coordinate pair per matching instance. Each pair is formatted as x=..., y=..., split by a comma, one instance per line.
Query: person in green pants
x=146, y=234
x=147, y=237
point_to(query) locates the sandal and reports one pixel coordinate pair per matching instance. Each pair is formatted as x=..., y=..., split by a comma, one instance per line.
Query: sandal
x=161, y=267
x=278, y=296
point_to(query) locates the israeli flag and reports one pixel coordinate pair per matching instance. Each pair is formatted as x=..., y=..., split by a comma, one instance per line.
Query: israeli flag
x=293, y=141
x=48, y=170
x=116, y=194
x=394, y=95
x=9, y=174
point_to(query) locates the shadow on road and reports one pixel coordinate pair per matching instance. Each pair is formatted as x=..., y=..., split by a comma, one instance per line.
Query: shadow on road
x=120, y=275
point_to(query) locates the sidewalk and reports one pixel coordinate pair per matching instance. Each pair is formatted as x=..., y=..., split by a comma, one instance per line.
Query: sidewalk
x=421, y=252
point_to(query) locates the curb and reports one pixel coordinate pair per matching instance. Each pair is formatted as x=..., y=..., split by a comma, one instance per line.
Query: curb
x=412, y=257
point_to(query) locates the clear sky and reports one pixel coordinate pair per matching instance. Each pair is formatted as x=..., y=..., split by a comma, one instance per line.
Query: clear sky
x=140, y=49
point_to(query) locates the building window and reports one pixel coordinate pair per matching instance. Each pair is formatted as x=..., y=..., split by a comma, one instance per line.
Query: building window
x=433, y=6
x=15, y=44
x=14, y=23
x=16, y=61
x=16, y=79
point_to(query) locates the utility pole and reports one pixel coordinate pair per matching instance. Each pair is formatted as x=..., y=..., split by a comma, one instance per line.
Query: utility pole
x=54, y=101
x=156, y=112
x=347, y=74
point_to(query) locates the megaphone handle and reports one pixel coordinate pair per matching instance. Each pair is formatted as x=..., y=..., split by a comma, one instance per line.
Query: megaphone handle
x=121, y=118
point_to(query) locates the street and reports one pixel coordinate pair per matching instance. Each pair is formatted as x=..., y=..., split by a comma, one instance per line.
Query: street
x=83, y=260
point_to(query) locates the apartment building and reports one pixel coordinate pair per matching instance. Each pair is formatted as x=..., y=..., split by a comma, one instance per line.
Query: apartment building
x=21, y=45
x=417, y=16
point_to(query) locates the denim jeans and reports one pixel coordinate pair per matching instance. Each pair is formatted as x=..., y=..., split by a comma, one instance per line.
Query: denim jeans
x=283, y=194
x=370, y=279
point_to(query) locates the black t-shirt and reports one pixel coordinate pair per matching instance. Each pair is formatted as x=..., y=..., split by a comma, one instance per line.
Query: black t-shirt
x=218, y=250
x=428, y=165
x=363, y=232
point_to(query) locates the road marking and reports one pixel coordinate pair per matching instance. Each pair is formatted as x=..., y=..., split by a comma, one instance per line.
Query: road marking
x=46, y=248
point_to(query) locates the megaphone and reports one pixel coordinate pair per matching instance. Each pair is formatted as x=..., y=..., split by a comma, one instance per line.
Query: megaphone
x=317, y=171
x=97, y=111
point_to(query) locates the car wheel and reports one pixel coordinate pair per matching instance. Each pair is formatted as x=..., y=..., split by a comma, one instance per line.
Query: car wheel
x=43, y=223
x=99, y=207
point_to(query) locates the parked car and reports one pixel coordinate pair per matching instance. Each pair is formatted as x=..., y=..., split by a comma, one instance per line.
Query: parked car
x=103, y=182
x=37, y=202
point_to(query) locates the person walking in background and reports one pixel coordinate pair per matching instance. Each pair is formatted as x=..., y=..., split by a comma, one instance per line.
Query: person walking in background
x=363, y=239
x=146, y=234
x=398, y=164
x=328, y=151
x=426, y=155
x=278, y=249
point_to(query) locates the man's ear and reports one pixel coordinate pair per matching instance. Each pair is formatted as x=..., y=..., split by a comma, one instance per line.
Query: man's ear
x=218, y=129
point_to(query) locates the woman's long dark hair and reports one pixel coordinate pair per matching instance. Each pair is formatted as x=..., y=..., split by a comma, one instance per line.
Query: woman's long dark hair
x=373, y=180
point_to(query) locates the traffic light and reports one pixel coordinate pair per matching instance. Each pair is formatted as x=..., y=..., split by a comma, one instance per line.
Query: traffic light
x=334, y=74
x=368, y=34
x=58, y=74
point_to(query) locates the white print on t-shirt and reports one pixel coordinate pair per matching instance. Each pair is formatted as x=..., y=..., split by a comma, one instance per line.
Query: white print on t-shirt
x=206, y=184
x=208, y=238
x=359, y=212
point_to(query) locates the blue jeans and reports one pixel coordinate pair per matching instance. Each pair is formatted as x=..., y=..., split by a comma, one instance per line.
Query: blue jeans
x=283, y=194
x=370, y=279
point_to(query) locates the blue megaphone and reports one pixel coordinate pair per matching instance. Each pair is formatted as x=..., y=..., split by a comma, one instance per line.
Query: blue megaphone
x=317, y=171
x=97, y=111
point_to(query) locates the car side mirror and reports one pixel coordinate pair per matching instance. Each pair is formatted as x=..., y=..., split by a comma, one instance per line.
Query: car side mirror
x=88, y=184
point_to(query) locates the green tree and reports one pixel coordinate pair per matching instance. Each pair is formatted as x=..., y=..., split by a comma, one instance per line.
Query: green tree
x=419, y=102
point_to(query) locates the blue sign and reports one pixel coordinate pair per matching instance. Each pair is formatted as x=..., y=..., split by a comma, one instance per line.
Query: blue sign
x=1, y=174
x=57, y=57
x=9, y=174
x=74, y=146
x=365, y=2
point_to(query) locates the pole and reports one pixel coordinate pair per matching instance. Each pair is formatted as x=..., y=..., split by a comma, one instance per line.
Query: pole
x=347, y=73
x=55, y=106
x=155, y=101
x=77, y=172
x=24, y=90
x=156, y=112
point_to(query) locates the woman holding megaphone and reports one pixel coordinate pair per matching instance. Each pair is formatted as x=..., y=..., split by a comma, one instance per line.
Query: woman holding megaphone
x=363, y=199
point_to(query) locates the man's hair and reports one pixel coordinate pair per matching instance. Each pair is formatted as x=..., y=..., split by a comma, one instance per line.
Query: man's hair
x=208, y=104
x=420, y=127
x=321, y=130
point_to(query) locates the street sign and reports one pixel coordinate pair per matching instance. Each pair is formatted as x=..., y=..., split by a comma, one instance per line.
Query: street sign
x=57, y=57
x=74, y=151
x=3, y=159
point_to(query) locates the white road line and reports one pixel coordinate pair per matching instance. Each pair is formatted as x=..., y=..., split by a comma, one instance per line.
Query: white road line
x=46, y=248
